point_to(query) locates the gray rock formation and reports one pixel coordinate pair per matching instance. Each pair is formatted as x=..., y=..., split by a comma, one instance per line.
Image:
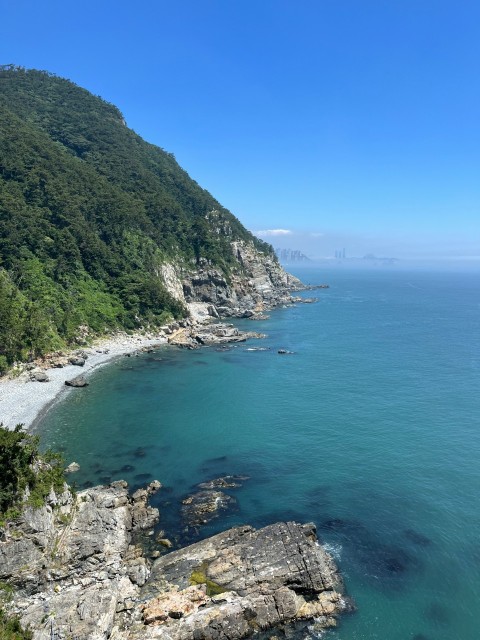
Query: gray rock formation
x=240, y=582
x=78, y=574
x=73, y=467
x=39, y=376
x=256, y=284
x=72, y=561
x=224, y=482
x=260, y=284
x=194, y=336
x=78, y=381
x=203, y=506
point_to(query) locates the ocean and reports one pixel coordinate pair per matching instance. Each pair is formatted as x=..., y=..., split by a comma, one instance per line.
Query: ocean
x=370, y=429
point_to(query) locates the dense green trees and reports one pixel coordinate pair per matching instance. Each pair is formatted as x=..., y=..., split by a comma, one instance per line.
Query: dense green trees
x=88, y=210
x=22, y=466
x=10, y=628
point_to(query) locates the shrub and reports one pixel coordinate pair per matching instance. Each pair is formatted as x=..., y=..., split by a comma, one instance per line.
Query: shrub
x=22, y=466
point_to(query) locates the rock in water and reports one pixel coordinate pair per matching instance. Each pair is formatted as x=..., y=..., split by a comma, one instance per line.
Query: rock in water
x=73, y=467
x=225, y=482
x=203, y=506
x=239, y=582
x=78, y=381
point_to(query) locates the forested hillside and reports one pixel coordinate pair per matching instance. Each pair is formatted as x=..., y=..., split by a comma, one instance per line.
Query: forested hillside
x=88, y=212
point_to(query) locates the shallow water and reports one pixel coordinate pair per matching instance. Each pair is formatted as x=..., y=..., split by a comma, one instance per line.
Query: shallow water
x=370, y=429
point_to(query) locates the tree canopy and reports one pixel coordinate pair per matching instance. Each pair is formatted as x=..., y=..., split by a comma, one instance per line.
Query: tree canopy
x=88, y=212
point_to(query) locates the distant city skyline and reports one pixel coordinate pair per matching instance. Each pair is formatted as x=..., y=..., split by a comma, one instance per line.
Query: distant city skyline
x=325, y=245
x=342, y=124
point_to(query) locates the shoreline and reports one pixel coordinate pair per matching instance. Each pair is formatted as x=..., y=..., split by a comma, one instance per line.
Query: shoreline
x=22, y=403
x=25, y=401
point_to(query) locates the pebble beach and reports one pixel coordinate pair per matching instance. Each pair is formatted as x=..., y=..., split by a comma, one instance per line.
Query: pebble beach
x=23, y=400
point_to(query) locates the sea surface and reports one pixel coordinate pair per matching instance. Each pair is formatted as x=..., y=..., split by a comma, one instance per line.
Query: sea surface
x=370, y=429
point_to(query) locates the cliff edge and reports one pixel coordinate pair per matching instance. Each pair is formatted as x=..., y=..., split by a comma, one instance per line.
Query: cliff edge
x=78, y=573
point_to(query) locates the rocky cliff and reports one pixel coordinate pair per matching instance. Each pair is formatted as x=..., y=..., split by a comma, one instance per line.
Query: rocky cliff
x=256, y=284
x=96, y=220
x=78, y=573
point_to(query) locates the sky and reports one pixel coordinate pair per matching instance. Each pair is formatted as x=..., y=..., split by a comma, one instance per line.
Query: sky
x=321, y=124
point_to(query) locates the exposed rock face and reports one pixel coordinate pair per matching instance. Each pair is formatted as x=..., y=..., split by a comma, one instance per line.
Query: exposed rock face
x=258, y=283
x=239, y=582
x=78, y=575
x=261, y=283
x=72, y=561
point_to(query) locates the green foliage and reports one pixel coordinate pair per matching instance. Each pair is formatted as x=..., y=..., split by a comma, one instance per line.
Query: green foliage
x=10, y=628
x=88, y=211
x=199, y=576
x=22, y=466
x=3, y=365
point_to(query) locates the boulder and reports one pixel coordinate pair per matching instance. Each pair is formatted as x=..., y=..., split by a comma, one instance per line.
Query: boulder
x=78, y=361
x=79, y=381
x=224, y=482
x=40, y=376
x=203, y=506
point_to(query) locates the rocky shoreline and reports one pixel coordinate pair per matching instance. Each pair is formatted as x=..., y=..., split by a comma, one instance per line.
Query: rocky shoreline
x=78, y=566
x=208, y=296
x=79, y=571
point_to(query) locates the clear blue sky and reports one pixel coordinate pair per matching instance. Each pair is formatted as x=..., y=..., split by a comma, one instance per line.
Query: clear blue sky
x=349, y=123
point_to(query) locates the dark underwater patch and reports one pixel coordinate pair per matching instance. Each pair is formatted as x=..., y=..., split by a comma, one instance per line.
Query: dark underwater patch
x=417, y=538
x=437, y=614
x=100, y=471
x=127, y=468
x=142, y=477
x=216, y=460
x=387, y=566
x=339, y=525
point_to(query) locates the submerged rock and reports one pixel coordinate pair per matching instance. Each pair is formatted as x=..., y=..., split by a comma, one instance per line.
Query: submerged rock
x=203, y=506
x=225, y=482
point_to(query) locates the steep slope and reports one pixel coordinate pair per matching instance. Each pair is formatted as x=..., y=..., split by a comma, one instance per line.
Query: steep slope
x=100, y=228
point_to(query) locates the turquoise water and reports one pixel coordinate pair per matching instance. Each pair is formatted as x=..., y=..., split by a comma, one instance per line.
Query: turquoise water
x=370, y=429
